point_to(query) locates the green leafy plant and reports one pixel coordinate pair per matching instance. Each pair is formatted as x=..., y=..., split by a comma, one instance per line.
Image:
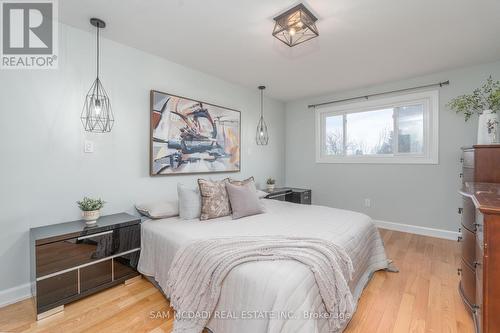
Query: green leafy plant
x=89, y=204
x=270, y=181
x=485, y=98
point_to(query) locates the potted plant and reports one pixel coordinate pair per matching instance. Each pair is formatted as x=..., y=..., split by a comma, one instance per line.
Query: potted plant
x=271, y=183
x=485, y=102
x=91, y=209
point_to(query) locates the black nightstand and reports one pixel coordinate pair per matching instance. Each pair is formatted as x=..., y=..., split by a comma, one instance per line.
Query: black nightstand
x=71, y=260
x=291, y=194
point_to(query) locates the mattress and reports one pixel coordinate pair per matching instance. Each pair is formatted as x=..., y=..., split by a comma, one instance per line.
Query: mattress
x=269, y=296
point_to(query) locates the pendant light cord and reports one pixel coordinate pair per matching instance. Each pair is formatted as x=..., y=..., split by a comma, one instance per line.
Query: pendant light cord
x=97, y=52
x=97, y=60
x=262, y=103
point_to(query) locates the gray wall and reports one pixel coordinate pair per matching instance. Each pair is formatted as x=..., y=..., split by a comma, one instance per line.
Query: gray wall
x=43, y=169
x=420, y=195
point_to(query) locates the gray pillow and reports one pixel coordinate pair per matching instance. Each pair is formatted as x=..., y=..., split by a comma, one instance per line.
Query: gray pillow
x=189, y=202
x=244, y=200
x=158, y=209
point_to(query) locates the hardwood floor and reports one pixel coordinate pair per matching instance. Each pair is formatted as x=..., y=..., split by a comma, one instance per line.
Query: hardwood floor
x=422, y=297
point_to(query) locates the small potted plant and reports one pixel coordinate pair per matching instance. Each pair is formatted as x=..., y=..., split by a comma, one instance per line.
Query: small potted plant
x=485, y=102
x=271, y=183
x=91, y=209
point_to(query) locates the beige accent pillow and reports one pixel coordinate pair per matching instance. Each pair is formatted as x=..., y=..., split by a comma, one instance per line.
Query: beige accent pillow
x=241, y=182
x=244, y=200
x=214, y=199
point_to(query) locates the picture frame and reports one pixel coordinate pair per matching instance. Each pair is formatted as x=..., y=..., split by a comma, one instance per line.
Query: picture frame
x=188, y=136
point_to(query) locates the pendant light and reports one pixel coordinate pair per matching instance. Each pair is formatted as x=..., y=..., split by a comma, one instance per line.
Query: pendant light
x=262, y=136
x=97, y=115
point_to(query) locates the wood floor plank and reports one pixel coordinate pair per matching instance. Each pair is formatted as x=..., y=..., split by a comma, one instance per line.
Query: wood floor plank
x=422, y=297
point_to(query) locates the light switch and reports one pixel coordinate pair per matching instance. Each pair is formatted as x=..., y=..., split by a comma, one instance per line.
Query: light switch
x=88, y=146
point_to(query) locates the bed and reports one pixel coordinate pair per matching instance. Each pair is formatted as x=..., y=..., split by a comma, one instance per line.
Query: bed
x=269, y=296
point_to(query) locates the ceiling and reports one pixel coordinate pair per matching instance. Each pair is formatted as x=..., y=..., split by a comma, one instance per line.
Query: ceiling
x=361, y=42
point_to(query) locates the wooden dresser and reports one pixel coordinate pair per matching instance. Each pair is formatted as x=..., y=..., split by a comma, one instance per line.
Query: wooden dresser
x=70, y=260
x=480, y=236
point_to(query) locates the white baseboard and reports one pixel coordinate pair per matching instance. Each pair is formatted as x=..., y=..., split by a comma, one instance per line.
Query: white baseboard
x=413, y=229
x=15, y=294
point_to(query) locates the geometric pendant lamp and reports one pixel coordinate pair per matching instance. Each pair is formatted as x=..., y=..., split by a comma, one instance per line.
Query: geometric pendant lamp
x=262, y=136
x=97, y=115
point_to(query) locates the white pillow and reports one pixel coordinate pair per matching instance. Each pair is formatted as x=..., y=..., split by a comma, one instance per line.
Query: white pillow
x=189, y=202
x=158, y=209
x=262, y=194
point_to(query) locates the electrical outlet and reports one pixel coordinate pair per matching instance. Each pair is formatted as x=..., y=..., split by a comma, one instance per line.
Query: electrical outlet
x=88, y=146
x=368, y=202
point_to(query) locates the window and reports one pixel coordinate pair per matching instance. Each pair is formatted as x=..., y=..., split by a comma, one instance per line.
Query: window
x=402, y=129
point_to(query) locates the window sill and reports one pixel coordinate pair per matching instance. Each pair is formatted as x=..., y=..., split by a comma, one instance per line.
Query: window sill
x=377, y=160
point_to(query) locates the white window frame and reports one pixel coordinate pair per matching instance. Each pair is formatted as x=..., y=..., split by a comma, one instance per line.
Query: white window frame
x=430, y=99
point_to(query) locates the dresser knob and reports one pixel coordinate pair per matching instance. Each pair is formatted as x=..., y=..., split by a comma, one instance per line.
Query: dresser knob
x=459, y=238
x=461, y=175
x=459, y=229
x=460, y=210
x=476, y=264
x=461, y=160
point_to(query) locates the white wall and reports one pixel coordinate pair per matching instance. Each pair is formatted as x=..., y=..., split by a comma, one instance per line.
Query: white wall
x=419, y=195
x=43, y=169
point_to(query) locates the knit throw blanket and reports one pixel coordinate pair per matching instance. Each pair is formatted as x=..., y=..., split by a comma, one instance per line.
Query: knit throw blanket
x=199, y=268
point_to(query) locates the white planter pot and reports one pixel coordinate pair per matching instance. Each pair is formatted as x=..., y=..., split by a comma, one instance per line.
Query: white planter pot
x=270, y=187
x=483, y=137
x=91, y=216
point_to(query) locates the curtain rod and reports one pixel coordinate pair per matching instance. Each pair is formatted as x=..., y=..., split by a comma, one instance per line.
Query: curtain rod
x=440, y=84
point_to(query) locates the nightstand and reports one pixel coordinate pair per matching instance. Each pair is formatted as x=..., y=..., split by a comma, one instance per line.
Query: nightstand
x=71, y=260
x=291, y=194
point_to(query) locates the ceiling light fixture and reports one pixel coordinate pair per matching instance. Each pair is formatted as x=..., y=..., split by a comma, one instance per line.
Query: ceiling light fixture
x=97, y=115
x=262, y=136
x=295, y=26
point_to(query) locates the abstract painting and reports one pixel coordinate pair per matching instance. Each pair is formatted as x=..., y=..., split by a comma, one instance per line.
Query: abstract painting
x=189, y=136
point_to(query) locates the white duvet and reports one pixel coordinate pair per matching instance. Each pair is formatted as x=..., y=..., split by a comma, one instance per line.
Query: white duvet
x=269, y=296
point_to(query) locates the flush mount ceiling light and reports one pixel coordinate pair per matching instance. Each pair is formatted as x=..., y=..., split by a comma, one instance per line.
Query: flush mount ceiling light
x=97, y=115
x=295, y=26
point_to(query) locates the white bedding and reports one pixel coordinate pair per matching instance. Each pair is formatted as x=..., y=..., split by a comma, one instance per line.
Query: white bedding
x=268, y=296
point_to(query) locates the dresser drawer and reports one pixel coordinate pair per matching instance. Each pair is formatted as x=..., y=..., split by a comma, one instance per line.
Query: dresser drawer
x=468, y=158
x=301, y=197
x=95, y=275
x=468, y=245
x=124, y=266
x=468, y=213
x=467, y=175
x=69, y=253
x=479, y=239
x=56, y=289
x=468, y=283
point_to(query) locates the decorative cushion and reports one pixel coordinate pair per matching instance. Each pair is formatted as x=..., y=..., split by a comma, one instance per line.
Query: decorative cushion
x=244, y=200
x=158, y=209
x=241, y=182
x=189, y=202
x=260, y=194
x=214, y=199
